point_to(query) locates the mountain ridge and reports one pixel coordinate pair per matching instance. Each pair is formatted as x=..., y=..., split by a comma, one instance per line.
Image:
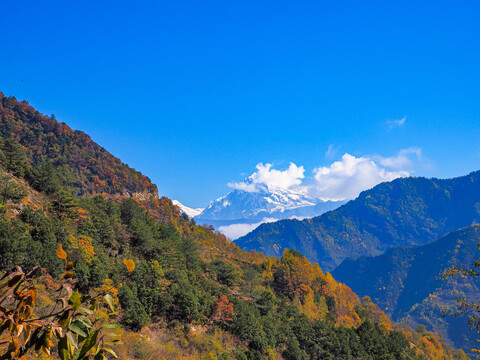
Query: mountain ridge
x=405, y=211
x=407, y=282
x=95, y=169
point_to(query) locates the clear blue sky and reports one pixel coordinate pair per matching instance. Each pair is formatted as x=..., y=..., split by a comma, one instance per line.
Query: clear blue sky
x=196, y=93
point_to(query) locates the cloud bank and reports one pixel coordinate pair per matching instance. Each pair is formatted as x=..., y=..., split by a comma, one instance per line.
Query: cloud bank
x=235, y=231
x=342, y=180
x=345, y=179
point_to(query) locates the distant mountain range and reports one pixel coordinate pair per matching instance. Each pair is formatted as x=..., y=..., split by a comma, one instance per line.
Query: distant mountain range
x=407, y=282
x=240, y=211
x=406, y=211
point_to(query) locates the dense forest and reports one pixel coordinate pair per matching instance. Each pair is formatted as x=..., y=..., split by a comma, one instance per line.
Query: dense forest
x=179, y=290
x=406, y=211
x=409, y=282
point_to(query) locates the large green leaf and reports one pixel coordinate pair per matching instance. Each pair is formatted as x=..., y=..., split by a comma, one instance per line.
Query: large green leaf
x=77, y=328
x=88, y=344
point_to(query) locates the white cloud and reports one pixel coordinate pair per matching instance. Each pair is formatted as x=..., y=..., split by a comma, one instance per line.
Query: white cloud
x=248, y=187
x=402, y=160
x=345, y=179
x=331, y=152
x=272, y=178
x=342, y=180
x=234, y=231
x=283, y=179
x=396, y=123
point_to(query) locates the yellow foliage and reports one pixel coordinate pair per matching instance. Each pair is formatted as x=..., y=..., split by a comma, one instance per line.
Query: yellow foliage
x=157, y=268
x=322, y=308
x=371, y=311
x=271, y=354
x=108, y=288
x=82, y=248
x=308, y=306
x=61, y=253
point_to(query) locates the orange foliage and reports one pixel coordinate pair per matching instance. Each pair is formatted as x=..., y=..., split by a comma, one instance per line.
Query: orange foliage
x=61, y=253
x=432, y=348
x=48, y=281
x=130, y=264
x=223, y=310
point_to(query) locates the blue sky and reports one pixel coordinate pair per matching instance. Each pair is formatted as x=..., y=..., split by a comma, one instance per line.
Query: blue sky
x=196, y=94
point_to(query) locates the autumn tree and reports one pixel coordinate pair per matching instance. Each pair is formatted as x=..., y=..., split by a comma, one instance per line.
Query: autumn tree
x=223, y=310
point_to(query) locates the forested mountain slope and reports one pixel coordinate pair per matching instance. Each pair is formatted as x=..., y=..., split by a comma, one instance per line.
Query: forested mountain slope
x=406, y=211
x=86, y=166
x=192, y=294
x=51, y=156
x=407, y=282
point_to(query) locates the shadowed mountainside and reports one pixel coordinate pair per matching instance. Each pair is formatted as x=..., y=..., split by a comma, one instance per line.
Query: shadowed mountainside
x=407, y=282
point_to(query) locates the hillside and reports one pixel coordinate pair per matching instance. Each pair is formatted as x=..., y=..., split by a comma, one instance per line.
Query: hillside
x=407, y=282
x=51, y=156
x=406, y=211
x=87, y=167
x=191, y=294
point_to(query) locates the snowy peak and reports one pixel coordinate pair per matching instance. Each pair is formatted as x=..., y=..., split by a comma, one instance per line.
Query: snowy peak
x=240, y=204
x=187, y=210
x=241, y=211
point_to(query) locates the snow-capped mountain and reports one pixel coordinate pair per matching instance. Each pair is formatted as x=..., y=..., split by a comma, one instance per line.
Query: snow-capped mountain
x=239, y=204
x=187, y=210
x=240, y=211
